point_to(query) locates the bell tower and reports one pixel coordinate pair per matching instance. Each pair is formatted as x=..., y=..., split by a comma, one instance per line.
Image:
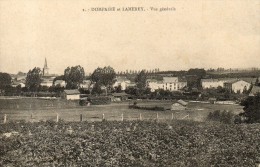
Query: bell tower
x=45, y=70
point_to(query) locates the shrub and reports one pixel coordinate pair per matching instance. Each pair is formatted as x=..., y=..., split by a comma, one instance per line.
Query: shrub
x=224, y=116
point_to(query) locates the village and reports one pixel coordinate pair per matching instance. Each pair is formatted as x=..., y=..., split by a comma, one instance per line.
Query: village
x=115, y=106
x=195, y=84
x=130, y=83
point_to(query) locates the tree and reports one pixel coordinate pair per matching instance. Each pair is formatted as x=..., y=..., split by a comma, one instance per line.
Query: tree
x=33, y=79
x=5, y=80
x=74, y=76
x=104, y=76
x=96, y=89
x=220, y=89
x=141, y=80
x=257, y=82
x=251, y=109
x=43, y=88
x=194, y=76
x=118, y=89
x=61, y=77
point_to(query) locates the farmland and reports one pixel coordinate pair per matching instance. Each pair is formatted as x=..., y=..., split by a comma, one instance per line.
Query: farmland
x=31, y=109
x=129, y=143
x=32, y=137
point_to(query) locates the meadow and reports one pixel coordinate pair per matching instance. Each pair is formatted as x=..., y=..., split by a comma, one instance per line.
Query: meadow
x=33, y=110
x=32, y=137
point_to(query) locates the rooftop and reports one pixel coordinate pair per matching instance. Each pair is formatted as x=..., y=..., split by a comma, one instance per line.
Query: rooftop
x=72, y=92
x=170, y=79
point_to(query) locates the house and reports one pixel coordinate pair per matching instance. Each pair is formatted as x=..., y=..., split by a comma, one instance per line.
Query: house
x=238, y=86
x=214, y=83
x=154, y=84
x=16, y=83
x=255, y=90
x=131, y=84
x=85, y=84
x=71, y=94
x=173, y=83
x=20, y=78
x=47, y=83
x=123, y=82
x=168, y=83
x=62, y=83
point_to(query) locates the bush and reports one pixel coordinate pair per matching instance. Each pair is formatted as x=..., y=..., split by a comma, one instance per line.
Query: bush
x=155, y=108
x=224, y=116
x=251, y=109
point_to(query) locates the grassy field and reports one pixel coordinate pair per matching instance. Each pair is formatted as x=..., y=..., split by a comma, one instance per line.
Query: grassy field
x=31, y=109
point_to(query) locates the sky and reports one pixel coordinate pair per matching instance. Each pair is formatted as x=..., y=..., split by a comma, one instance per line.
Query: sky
x=197, y=34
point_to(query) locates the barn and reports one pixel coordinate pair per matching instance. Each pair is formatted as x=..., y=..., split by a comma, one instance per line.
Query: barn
x=71, y=94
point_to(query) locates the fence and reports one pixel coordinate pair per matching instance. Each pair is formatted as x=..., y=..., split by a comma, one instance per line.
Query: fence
x=96, y=117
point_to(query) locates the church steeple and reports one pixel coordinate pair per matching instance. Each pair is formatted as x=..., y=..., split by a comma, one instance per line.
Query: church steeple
x=45, y=63
x=45, y=68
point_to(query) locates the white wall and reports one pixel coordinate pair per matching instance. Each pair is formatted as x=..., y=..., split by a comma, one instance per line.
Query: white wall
x=239, y=86
x=215, y=84
x=73, y=97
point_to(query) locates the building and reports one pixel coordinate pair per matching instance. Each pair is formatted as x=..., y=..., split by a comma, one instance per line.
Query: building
x=168, y=83
x=16, y=83
x=131, y=84
x=238, y=86
x=154, y=84
x=47, y=81
x=45, y=70
x=123, y=82
x=71, y=94
x=173, y=83
x=214, y=83
x=85, y=84
x=62, y=83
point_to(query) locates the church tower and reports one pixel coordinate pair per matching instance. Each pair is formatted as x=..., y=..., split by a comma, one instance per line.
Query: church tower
x=45, y=70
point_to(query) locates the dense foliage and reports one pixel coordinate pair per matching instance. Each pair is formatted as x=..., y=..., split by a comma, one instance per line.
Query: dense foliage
x=155, y=108
x=141, y=80
x=103, y=77
x=5, y=80
x=33, y=79
x=129, y=143
x=74, y=76
x=221, y=116
x=252, y=109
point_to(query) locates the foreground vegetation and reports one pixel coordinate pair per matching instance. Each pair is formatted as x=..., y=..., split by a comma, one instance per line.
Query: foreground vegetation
x=129, y=143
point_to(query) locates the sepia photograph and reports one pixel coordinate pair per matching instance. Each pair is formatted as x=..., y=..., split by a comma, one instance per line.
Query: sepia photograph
x=130, y=83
